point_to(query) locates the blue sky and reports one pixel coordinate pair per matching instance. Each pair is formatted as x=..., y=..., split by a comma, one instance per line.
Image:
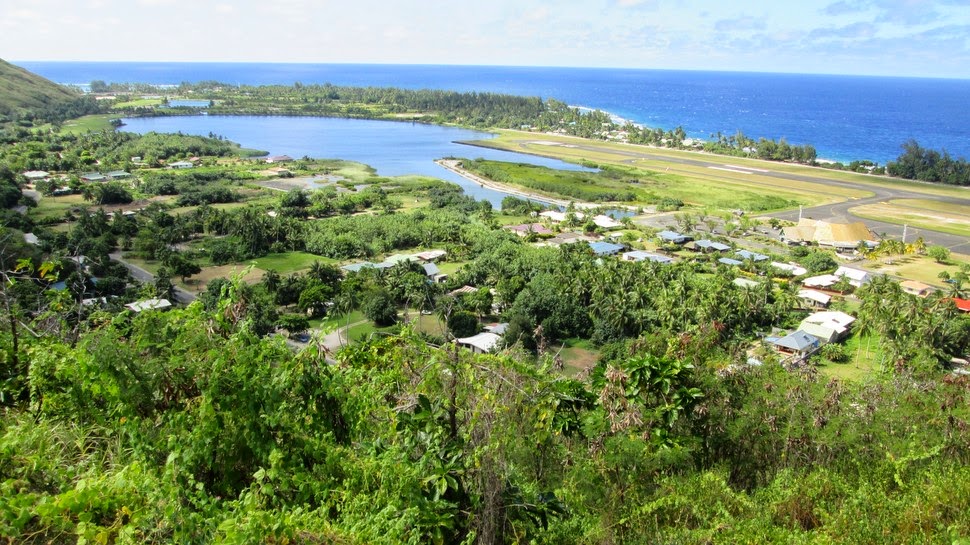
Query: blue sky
x=879, y=37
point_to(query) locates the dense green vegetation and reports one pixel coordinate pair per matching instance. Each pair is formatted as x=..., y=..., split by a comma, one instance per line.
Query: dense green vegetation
x=609, y=184
x=926, y=165
x=185, y=427
x=208, y=423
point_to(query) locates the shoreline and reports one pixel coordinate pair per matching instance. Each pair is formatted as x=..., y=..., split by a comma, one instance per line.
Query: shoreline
x=452, y=165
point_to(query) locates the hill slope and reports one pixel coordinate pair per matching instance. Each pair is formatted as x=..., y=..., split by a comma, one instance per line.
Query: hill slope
x=24, y=90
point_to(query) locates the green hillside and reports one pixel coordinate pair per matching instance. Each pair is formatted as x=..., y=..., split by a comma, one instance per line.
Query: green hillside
x=24, y=90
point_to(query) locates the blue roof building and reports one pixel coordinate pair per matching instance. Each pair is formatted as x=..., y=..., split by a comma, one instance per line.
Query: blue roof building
x=709, y=245
x=605, y=248
x=745, y=254
x=640, y=255
x=674, y=237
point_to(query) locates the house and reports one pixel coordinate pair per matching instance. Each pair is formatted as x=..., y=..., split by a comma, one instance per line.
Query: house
x=829, y=326
x=745, y=255
x=357, y=267
x=791, y=268
x=431, y=255
x=31, y=238
x=606, y=222
x=815, y=298
x=279, y=159
x=705, y=246
x=118, y=175
x=481, y=343
x=914, y=287
x=821, y=281
x=34, y=175
x=568, y=238
x=556, y=216
x=640, y=255
x=398, y=258
x=856, y=277
x=434, y=273
x=462, y=290
x=745, y=283
x=93, y=177
x=605, y=248
x=730, y=262
x=673, y=237
x=497, y=328
x=798, y=343
x=962, y=304
x=526, y=229
x=149, y=304
x=838, y=235
x=180, y=165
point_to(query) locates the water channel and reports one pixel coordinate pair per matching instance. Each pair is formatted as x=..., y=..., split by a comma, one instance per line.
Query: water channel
x=392, y=148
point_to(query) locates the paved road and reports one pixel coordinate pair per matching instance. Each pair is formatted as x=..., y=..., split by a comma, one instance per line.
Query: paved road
x=141, y=275
x=840, y=210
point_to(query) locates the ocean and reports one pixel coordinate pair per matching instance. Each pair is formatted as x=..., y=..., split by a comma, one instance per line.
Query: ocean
x=845, y=117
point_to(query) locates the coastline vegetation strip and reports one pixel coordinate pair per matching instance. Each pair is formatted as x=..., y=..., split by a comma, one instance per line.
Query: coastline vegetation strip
x=921, y=218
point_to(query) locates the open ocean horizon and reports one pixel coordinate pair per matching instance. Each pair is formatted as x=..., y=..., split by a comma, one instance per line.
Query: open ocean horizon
x=845, y=117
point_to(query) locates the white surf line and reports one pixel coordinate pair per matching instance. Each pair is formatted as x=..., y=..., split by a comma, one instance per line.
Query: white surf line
x=731, y=170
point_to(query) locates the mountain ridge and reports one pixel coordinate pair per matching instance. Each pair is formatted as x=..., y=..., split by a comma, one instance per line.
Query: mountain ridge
x=22, y=90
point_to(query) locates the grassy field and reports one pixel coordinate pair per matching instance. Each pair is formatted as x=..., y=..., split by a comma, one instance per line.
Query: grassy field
x=865, y=356
x=937, y=216
x=697, y=185
x=568, y=147
x=921, y=268
x=199, y=282
x=578, y=356
x=137, y=103
x=88, y=123
x=55, y=207
x=576, y=150
x=289, y=262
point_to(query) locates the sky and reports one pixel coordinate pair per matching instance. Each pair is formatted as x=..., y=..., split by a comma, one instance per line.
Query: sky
x=866, y=37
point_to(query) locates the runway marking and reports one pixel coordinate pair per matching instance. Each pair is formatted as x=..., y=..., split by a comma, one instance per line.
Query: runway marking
x=748, y=168
x=731, y=170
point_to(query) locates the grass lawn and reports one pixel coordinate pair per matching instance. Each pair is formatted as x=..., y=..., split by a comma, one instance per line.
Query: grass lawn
x=450, y=267
x=286, y=263
x=199, y=282
x=578, y=355
x=865, y=354
x=921, y=268
x=55, y=207
x=361, y=331
x=88, y=123
x=429, y=324
x=137, y=103
x=943, y=217
x=330, y=322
